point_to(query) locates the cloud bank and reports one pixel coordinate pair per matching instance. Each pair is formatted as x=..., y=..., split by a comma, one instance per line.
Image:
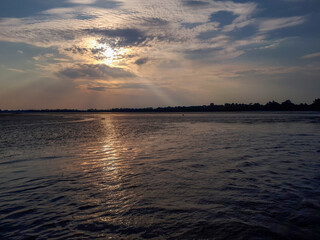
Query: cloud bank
x=172, y=46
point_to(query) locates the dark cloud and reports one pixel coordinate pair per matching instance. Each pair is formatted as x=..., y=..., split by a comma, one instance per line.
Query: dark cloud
x=193, y=3
x=95, y=53
x=119, y=86
x=155, y=22
x=190, y=25
x=122, y=37
x=98, y=89
x=77, y=50
x=94, y=71
x=141, y=61
x=85, y=17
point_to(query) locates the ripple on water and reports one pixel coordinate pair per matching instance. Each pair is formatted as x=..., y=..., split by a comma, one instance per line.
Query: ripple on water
x=160, y=176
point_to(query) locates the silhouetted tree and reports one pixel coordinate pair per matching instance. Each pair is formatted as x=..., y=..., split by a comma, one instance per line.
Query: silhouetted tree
x=272, y=106
x=316, y=104
x=257, y=107
x=287, y=106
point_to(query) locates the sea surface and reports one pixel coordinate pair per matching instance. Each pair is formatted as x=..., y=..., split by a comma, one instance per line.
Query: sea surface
x=160, y=176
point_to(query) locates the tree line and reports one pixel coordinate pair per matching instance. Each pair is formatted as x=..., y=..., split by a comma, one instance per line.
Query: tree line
x=227, y=107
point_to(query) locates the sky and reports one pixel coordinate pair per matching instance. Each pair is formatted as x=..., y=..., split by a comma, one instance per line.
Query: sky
x=148, y=53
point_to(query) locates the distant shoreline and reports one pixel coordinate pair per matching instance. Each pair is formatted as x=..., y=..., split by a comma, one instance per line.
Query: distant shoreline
x=227, y=107
x=4, y=114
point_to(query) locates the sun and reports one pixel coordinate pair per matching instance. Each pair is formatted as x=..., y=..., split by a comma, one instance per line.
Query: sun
x=108, y=54
x=105, y=53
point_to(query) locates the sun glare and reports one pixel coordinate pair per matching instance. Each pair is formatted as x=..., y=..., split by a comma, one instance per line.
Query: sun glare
x=110, y=55
x=104, y=53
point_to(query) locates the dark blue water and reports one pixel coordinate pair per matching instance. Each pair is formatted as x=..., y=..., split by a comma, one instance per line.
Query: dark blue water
x=160, y=176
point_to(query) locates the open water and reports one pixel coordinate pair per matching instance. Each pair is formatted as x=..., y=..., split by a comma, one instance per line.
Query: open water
x=160, y=176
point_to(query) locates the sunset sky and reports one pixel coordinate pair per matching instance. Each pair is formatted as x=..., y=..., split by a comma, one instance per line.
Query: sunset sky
x=140, y=53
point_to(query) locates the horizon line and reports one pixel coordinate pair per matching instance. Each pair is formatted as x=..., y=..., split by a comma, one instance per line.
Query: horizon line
x=271, y=105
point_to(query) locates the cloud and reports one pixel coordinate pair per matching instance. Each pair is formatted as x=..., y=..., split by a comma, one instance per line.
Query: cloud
x=278, y=23
x=94, y=71
x=61, y=59
x=82, y=1
x=186, y=40
x=78, y=50
x=191, y=3
x=312, y=55
x=136, y=23
x=16, y=70
x=118, y=86
x=120, y=37
x=167, y=28
x=154, y=22
x=98, y=89
x=58, y=11
x=141, y=61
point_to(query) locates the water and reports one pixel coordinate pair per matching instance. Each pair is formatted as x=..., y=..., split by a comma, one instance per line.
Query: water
x=160, y=176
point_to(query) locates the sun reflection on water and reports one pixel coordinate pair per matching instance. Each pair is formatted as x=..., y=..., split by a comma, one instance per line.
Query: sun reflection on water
x=111, y=175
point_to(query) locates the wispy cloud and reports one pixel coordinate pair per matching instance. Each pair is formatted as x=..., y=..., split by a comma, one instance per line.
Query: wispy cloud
x=16, y=70
x=278, y=23
x=82, y=1
x=168, y=43
x=157, y=26
x=312, y=55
